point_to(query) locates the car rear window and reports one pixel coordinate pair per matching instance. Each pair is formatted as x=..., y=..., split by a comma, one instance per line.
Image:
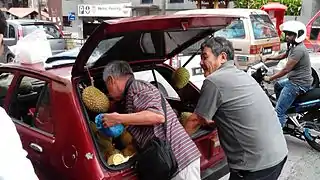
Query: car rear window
x=143, y=45
x=235, y=30
x=262, y=27
x=51, y=30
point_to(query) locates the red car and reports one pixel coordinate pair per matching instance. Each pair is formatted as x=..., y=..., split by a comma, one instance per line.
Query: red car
x=313, y=33
x=44, y=100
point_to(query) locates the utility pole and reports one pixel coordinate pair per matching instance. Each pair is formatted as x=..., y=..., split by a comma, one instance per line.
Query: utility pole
x=39, y=9
x=163, y=7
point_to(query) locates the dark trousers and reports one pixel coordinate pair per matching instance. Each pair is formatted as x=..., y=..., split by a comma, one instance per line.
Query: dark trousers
x=271, y=173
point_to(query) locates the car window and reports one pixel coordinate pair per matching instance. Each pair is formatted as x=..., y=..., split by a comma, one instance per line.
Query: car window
x=31, y=104
x=5, y=81
x=12, y=32
x=262, y=27
x=164, y=87
x=142, y=45
x=235, y=30
x=315, y=29
x=51, y=30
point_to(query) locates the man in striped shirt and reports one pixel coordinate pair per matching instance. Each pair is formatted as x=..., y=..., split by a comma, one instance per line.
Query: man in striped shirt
x=146, y=116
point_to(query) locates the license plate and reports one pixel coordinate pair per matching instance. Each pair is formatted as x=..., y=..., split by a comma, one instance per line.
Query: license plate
x=267, y=50
x=242, y=58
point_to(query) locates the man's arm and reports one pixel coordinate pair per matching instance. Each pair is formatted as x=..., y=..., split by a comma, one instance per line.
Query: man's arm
x=146, y=117
x=278, y=58
x=147, y=104
x=293, y=59
x=208, y=103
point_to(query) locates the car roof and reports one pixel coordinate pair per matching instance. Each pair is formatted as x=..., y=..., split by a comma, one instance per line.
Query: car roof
x=224, y=11
x=62, y=73
x=28, y=21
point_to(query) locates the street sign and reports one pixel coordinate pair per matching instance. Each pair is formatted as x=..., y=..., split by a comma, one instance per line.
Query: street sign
x=71, y=16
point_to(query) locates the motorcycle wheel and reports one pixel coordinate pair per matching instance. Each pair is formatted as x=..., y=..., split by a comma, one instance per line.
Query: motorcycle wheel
x=312, y=140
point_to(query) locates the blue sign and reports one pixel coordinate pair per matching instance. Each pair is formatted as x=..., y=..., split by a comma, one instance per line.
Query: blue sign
x=71, y=16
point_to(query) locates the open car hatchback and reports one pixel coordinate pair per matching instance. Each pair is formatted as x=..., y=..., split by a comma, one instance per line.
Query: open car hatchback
x=56, y=127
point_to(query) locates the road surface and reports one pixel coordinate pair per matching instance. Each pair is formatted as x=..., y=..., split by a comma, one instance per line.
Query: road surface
x=303, y=162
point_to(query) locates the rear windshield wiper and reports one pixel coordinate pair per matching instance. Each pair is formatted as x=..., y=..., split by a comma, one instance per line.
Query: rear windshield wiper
x=58, y=58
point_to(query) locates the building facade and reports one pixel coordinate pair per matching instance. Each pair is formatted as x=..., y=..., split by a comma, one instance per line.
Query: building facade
x=89, y=13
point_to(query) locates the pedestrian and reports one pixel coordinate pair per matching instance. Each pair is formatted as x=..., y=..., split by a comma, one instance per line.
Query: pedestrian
x=248, y=126
x=298, y=69
x=14, y=163
x=145, y=117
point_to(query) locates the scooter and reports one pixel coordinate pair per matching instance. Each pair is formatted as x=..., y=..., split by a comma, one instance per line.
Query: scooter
x=304, y=114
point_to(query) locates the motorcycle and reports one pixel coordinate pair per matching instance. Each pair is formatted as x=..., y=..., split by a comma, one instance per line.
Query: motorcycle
x=303, y=116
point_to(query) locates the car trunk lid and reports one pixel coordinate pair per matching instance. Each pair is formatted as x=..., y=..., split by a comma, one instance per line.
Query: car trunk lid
x=147, y=39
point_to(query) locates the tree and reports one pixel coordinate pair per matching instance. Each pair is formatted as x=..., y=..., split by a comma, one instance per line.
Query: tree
x=294, y=6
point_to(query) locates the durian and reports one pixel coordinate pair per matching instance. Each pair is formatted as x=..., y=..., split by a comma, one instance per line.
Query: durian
x=126, y=138
x=104, y=143
x=95, y=100
x=129, y=150
x=180, y=77
x=117, y=158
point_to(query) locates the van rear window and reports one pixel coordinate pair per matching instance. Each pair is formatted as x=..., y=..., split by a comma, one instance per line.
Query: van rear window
x=235, y=30
x=51, y=30
x=262, y=27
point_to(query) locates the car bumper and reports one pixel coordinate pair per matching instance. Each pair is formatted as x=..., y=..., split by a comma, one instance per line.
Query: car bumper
x=216, y=172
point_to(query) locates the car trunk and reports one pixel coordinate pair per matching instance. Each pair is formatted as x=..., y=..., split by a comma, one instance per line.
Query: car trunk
x=146, y=43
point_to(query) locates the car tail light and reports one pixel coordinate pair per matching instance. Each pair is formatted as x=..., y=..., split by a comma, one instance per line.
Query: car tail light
x=254, y=49
x=276, y=47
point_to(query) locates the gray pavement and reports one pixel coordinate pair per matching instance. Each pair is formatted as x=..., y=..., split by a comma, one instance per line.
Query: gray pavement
x=303, y=162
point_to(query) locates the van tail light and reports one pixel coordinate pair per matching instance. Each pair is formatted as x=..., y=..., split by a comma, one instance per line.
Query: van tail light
x=276, y=47
x=254, y=49
x=20, y=33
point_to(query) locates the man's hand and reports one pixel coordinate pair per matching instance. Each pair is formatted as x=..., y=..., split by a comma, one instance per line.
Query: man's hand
x=267, y=78
x=267, y=59
x=109, y=119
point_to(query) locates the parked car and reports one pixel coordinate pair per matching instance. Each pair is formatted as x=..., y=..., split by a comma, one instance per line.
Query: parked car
x=45, y=101
x=19, y=28
x=7, y=56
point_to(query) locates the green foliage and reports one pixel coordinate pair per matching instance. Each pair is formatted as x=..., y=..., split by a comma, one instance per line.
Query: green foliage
x=294, y=6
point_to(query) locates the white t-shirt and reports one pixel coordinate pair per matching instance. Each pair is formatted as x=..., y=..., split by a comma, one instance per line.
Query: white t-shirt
x=14, y=163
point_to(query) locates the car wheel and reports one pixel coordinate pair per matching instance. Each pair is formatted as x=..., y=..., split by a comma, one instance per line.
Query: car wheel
x=10, y=58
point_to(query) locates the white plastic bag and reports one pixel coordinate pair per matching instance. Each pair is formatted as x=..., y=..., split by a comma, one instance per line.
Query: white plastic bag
x=33, y=48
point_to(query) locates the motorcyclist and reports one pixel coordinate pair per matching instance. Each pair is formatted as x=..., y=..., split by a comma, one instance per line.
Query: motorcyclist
x=298, y=69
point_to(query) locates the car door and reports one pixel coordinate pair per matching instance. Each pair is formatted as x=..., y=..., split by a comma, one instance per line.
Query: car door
x=29, y=108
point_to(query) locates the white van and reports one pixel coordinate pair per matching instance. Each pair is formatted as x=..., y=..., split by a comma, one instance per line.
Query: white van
x=253, y=37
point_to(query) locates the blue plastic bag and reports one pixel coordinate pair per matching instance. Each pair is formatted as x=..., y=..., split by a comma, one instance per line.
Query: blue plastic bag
x=113, y=131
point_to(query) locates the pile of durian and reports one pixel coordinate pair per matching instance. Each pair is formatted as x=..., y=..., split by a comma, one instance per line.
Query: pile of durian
x=97, y=102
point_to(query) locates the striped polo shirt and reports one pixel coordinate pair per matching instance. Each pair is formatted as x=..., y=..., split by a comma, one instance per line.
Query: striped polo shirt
x=142, y=96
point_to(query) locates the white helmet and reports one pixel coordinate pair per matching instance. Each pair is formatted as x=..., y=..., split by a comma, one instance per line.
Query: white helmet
x=296, y=27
